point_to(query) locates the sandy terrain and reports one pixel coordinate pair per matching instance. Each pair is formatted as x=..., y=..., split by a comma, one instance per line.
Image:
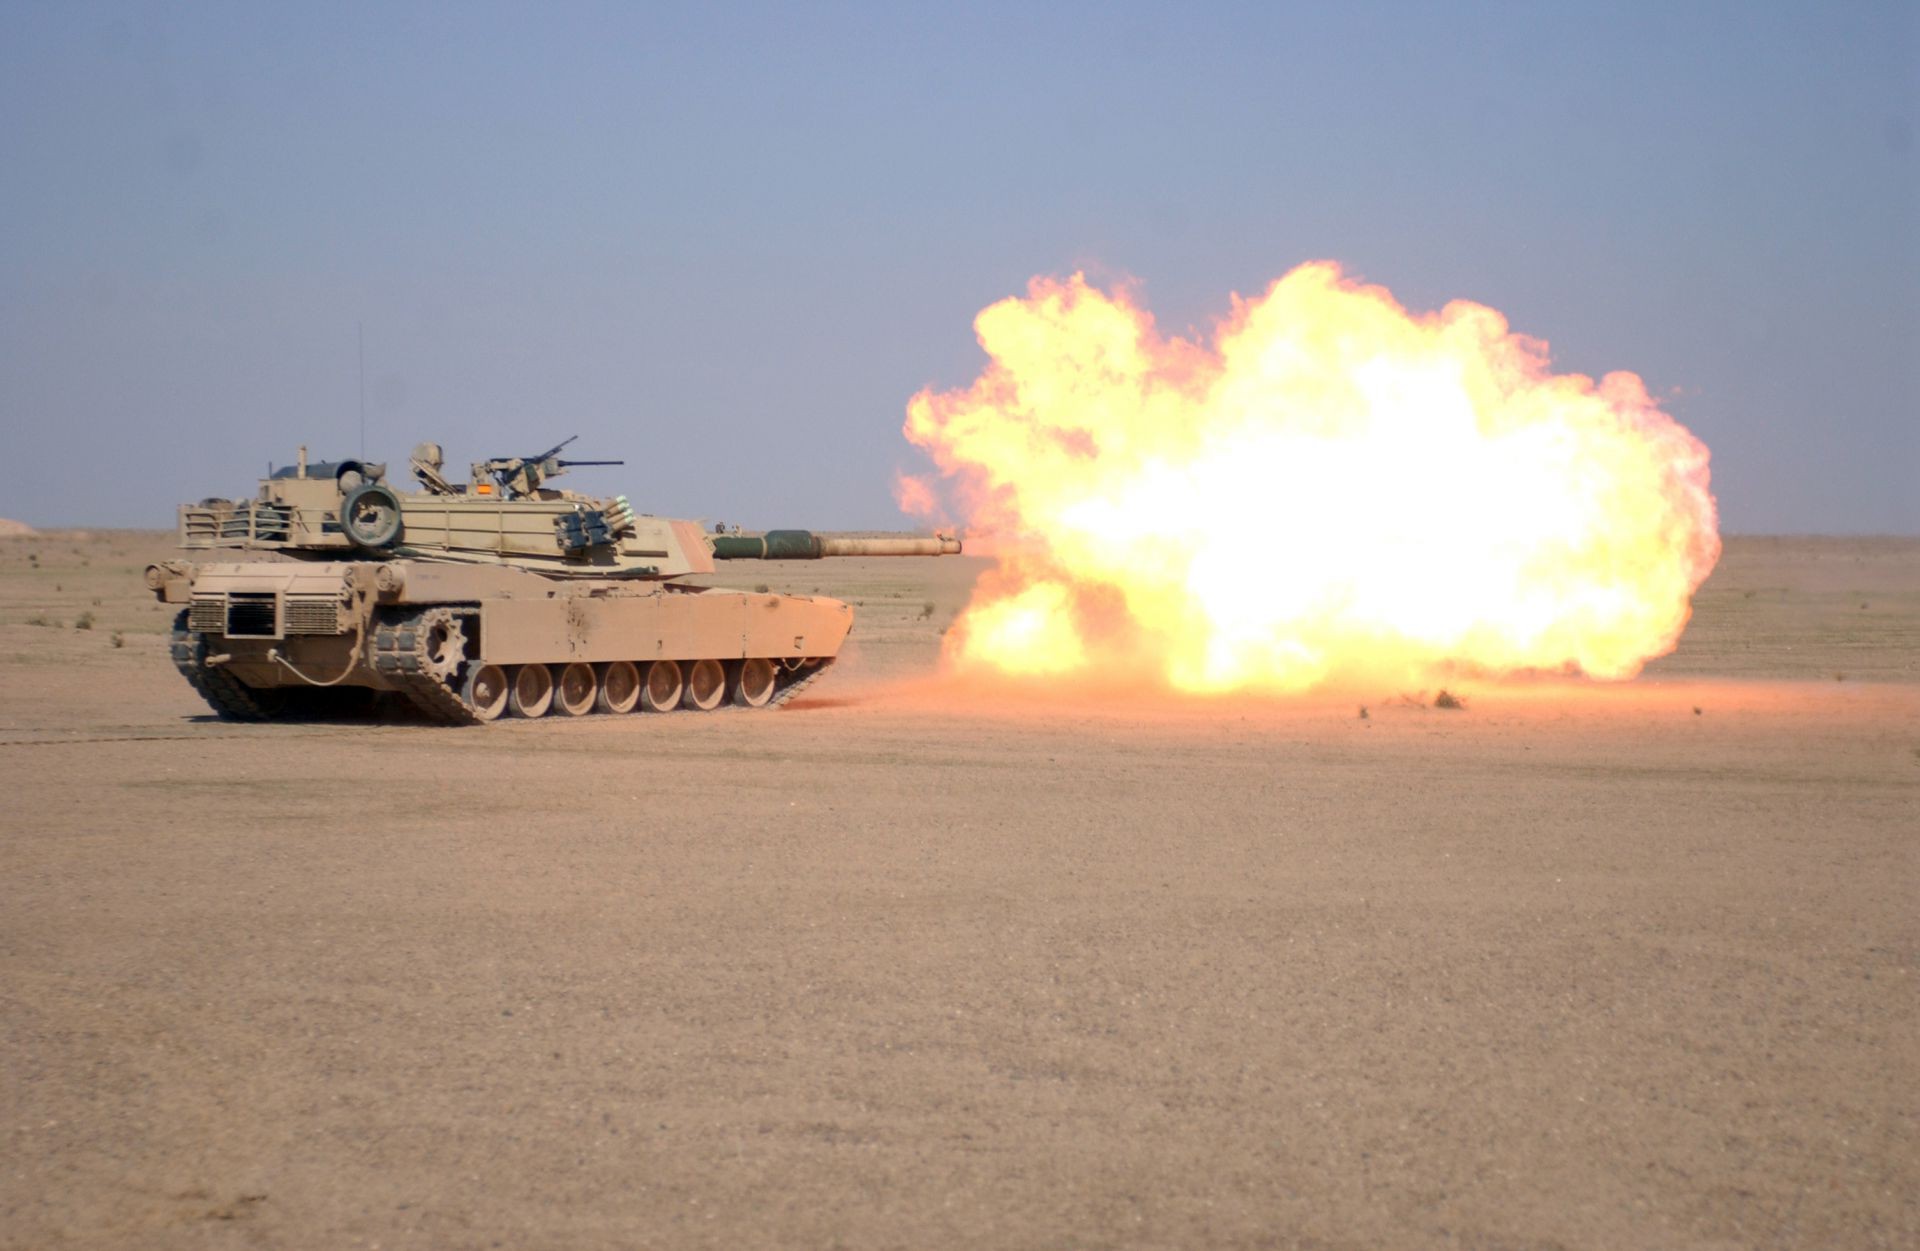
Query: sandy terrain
x=911, y=965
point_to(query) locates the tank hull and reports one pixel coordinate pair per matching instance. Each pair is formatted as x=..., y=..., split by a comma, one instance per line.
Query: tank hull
x=445, y=637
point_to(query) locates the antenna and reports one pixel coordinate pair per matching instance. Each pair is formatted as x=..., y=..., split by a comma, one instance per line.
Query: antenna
x=361, y=332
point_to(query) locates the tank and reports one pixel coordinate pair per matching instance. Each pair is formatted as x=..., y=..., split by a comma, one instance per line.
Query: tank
x=500, y=595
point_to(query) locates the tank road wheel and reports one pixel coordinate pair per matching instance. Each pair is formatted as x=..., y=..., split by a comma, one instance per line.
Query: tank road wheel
x=532, y=691
x=619, y=690
x=750, y=682
x=370, y=515
x=662, y=691
x=487, y=692
x=706, y=686
x=575, y=690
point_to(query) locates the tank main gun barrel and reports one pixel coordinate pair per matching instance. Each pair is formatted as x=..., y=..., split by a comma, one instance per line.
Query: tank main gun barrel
x=806, y=545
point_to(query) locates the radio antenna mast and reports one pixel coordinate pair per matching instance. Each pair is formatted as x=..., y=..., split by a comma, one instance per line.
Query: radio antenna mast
x=361, y=334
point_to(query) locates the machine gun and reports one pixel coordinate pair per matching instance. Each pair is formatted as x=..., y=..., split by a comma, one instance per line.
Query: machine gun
x=519, y=477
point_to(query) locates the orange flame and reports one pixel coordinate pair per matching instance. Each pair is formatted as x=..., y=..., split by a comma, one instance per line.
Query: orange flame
x=914, y=495
x=1333, y=488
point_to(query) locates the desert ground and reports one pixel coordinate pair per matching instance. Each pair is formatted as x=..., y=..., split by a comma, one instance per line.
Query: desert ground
x=913, y=963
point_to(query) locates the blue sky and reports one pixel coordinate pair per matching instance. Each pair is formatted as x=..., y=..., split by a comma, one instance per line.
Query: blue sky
x=727, y=243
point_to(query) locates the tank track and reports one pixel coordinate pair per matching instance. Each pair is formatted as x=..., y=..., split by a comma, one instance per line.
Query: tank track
x=229, y=697
x=807, y=679
x=400, y=656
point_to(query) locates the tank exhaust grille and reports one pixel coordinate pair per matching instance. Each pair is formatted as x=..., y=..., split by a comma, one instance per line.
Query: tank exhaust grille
x=252, y=616
x=207, y=615
x=313, y=616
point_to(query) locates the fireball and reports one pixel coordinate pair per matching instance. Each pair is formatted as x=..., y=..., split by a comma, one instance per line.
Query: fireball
x=1331, y=488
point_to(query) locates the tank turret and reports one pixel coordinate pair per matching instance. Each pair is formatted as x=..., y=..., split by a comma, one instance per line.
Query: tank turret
x=504, y=514
x=500, y=594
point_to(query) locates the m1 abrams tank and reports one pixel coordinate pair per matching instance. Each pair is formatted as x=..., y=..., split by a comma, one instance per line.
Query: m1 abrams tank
x=499, y=595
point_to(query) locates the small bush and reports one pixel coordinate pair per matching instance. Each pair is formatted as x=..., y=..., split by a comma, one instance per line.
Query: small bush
x=763, y=588
x=118, y=639
x=1447, y=699
x=83, y=622
x=1363, y=712
x=926, y=610
x=41, y=619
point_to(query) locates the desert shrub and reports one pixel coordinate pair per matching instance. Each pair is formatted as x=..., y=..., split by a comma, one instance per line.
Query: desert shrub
x=926, y=610
x=1447, y=699
x=763, y=588
x=118, y=639
x=41, y=619
x=83, y=622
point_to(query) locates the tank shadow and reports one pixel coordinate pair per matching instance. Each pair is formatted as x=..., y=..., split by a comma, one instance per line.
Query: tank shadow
x=349, y=706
